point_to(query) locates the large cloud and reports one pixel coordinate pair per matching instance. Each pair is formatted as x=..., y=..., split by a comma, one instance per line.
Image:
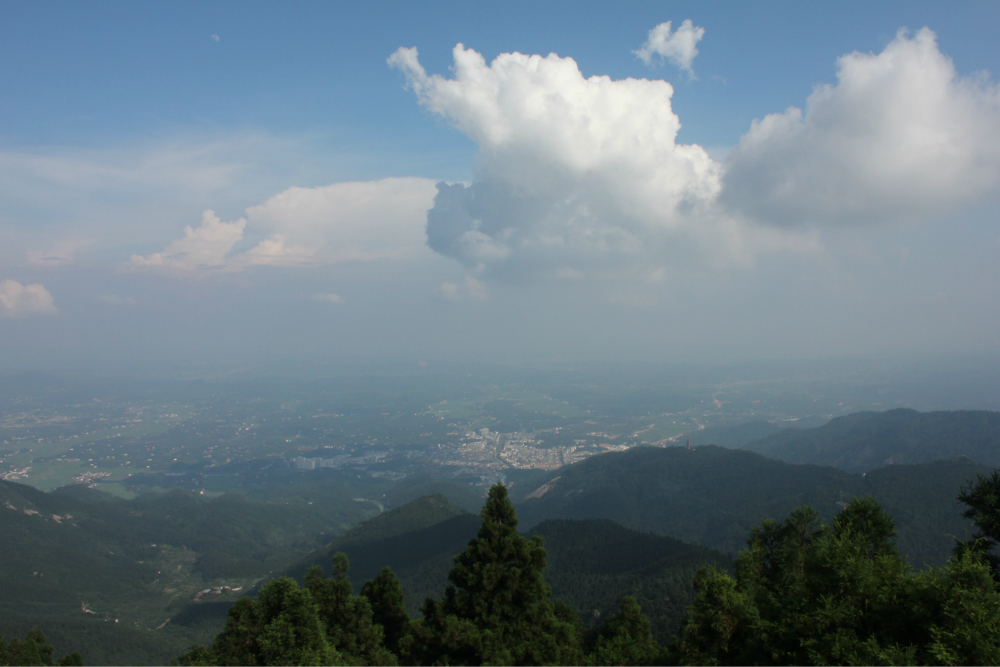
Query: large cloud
x=306, y=226
x=570, y=169
x=17, y=300
x=901, y=135
x=580, y=175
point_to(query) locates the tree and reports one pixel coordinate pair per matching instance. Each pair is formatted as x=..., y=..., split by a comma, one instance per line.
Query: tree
x=982, y=498
x=347, y=617
x=625, y=638
x=281, y=627
x=385, y=595
x=33, y=650
x=497, y=608
x=805, y=593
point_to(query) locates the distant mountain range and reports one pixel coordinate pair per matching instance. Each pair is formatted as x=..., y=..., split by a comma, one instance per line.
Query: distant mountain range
x=737, y=436
x=712, y=496
x=118, y=579
x=864, y=441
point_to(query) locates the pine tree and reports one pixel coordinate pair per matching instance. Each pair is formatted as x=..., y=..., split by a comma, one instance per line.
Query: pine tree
x=385, y=595
x=626, y=639
x=281, y=627
x=982, y=498
x=33, y=650
x=347, y=617
x=497, y=608
x=805, y=593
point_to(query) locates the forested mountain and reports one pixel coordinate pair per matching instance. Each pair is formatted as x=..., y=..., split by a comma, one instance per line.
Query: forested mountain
x=136, y=581
x=122, y=576
x=713, y=496
x=804, y=592
x=737, y=436
x=417, y=540
x=592, y=564
x=863, y=441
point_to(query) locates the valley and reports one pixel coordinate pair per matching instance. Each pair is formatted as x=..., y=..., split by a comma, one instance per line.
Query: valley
x=136, y=515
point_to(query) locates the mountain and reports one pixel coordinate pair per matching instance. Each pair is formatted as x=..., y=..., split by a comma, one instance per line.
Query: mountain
x=706, y=495
x=737, y=436
x=418, y=541
x=713, y=496
x=592, y=563
x=120, y=579
x=863, y=441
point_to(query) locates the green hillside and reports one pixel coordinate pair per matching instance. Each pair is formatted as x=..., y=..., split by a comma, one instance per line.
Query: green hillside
x=706, y=495
x=124, y=576
x=713, y=496
x=866, y=440
x=592, y=563
x=417, y=540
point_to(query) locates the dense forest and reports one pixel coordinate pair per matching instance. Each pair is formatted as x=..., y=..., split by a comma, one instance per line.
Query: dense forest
x=803, y=592
x=712, y=496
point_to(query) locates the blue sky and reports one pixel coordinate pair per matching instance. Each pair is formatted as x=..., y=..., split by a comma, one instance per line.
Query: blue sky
x=862, y=226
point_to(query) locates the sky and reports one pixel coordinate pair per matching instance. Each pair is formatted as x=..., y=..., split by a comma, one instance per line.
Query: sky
x=241, y=182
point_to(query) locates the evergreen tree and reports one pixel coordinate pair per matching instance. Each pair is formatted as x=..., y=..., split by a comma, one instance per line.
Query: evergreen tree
x=281, y=627
x=347, y=617
x=805, y=593
x=385, y=595
x=982, y=498
x=625, y=638
x=33, y=650
x=497, y=608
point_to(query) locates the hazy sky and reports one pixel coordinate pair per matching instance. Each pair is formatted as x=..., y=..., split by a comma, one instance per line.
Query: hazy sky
x=201, y=182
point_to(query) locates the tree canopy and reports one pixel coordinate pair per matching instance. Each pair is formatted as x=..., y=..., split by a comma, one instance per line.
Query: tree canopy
x=33, y=650
x=808, y=593
x=497, y=609
x=803, y=592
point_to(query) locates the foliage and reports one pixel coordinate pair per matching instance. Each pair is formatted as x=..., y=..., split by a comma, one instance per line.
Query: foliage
x=33, y=650
x=594, y=563
x=626, y=639
x=281, y=627
x=385, y=595
x=982, y=499
x=347, y=617
x=497, y=610
x=807, y=593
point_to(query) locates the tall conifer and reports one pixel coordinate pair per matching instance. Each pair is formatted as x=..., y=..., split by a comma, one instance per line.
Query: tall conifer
x=497, y=608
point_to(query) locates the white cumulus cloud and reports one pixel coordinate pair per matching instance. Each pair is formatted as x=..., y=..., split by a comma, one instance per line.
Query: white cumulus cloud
x=583, y=176
x=18, y=301
x=583, y=169
x=307, y=226
x=900, y=135
x=206, y=247
x=679, y=47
